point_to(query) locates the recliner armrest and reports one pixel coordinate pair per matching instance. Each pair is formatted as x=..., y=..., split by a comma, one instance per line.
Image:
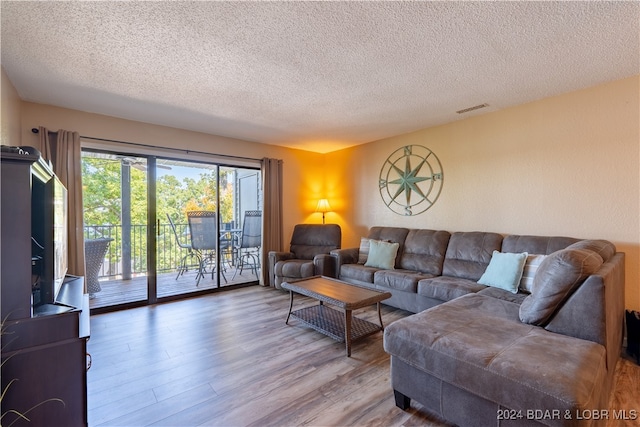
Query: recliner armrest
x=280, y=256
x=344, y=256
x=324, y=265
x=274, y=257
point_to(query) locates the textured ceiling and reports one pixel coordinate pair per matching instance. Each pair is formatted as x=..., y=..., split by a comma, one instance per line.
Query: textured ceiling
x=318, y=76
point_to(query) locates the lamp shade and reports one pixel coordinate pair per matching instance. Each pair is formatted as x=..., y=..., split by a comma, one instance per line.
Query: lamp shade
x=323, y=206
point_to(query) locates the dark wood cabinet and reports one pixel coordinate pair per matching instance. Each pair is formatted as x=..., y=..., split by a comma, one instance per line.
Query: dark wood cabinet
x=44, y=357
x=15, y=237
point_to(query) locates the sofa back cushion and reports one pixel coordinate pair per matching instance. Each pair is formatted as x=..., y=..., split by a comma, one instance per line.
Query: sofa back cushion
x=391, y=235
x=604, y=248
x=309, y=240
x=424, y=251
x=469, y=253
x=542, y=245
x=557, y=278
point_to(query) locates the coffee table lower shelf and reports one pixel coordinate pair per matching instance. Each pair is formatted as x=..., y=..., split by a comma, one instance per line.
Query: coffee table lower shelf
x=331, y=322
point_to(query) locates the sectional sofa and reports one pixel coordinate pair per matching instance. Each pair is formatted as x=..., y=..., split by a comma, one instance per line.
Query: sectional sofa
x=485, y=353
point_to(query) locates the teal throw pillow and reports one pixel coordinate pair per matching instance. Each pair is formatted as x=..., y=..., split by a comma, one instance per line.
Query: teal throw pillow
x=382, y=254
x=504, y=271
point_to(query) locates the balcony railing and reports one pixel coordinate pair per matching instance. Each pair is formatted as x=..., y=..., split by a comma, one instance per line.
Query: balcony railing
x=123, y=249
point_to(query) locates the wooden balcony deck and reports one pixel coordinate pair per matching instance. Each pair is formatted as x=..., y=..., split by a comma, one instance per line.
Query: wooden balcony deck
x=118, y=291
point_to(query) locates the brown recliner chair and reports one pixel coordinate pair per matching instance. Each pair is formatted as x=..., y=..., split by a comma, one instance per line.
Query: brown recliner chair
x=308, y=255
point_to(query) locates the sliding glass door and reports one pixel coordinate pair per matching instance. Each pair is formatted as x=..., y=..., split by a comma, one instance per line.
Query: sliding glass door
x=188, y=250
x=115, y=189
x=179, y=227
x=240, y=205
x=213, y=255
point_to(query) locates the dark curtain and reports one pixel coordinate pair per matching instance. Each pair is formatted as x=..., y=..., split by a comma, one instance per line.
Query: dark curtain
x=62, y=149
x=272, y=216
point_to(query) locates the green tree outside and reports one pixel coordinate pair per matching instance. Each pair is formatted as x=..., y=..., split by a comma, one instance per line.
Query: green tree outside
x=102, y=199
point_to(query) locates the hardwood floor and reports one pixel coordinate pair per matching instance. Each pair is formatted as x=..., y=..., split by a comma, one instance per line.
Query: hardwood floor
x=228, y=359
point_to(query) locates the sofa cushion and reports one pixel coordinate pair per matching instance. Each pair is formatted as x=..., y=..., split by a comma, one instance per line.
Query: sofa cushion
x=504, y=271
x=403, y=280
x=603, y=248
x=498, y=293
x=382, y=254
x=445, y=288
x=469, y=253
x=558, y=276
x=424, y=251
x=295, y=268
x=529, y=271
x=357, y=272
x=543, y=245
x=517, y=365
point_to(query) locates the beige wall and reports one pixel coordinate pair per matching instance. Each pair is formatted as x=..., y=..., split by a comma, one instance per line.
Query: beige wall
x=567, y=165
x=9, y=112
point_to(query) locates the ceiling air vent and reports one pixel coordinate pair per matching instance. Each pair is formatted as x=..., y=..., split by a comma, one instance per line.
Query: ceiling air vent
x=475, y=107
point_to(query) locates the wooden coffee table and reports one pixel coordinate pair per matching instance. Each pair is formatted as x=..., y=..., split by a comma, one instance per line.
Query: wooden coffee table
x=340, y=324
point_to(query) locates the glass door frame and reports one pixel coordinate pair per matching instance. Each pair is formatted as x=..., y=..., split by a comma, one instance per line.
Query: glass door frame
x=123, y=253
x=152, y=243
x=153, y=223
x=229, y=215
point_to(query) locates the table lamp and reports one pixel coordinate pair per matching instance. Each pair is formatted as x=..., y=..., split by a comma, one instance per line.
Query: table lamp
x=323, y=206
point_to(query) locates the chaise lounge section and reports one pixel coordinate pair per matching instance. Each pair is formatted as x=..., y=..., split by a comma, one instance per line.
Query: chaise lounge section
x=475, y=354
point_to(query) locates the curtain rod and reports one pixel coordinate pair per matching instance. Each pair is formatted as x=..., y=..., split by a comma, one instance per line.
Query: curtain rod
x=178, y=150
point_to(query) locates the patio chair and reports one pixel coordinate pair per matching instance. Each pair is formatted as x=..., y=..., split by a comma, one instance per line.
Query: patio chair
x=94, y=253
x=228, y=242
x=203, y=226
x=248, y=251
x=183, y=265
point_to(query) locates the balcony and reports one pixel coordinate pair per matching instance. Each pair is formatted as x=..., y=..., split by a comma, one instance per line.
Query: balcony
x=123, y=275
x=116, y=204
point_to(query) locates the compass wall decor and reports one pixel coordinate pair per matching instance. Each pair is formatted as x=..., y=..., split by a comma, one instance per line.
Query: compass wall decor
x=411, y=180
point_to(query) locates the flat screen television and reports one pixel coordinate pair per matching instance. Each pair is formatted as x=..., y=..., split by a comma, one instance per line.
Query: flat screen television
x=58, y=244
x=49, y=232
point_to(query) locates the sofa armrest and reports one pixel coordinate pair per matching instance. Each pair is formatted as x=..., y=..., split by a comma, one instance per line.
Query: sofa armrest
x=344, y=256
x=274, y=257
x=324, y=265
x=595, y=311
